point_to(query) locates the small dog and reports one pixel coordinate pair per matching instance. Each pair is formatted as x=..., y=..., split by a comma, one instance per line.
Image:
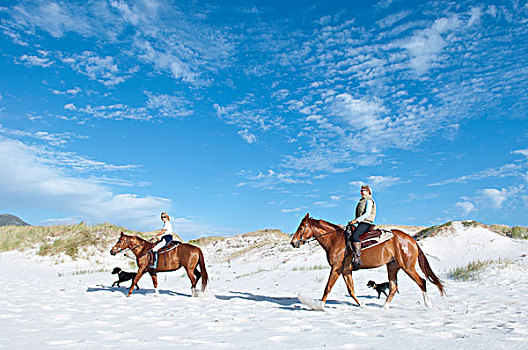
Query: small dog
x=123, y=276
x=380, y=288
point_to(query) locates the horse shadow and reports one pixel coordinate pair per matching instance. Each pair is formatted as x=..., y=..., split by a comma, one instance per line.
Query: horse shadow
x=286, y=303
x=124, y=291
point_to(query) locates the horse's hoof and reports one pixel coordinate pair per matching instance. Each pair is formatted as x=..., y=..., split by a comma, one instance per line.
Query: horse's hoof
x=386, y=306
x=362, y=305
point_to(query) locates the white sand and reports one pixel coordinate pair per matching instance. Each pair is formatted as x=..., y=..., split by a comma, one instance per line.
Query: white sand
x=252, y=302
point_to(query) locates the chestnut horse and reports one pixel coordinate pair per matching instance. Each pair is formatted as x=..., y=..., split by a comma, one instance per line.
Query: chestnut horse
x=186, y=255
x=400, y=252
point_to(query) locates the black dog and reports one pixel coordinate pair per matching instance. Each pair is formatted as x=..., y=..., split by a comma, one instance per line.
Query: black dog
x=123, y=276
x=380, y=288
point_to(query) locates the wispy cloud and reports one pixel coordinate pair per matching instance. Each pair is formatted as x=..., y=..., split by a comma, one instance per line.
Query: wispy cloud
x=30, y=181
x=272, y=180
x=466, y=207
x=157, y=106
x=30, y=61
x=505, y=170
x=102, y=69
x=378, y=183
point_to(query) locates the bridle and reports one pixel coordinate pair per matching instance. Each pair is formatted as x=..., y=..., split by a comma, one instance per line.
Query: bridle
x=314, y=237
x=127, y=247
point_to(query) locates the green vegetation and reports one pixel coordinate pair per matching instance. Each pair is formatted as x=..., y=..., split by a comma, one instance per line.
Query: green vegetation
x=253, y=273
x=470, y=223
x=431, y=231
x=473, y=269
x=54, y=240
x=83, y=272
x=517, y=232
x=245, y=250
x=310, y=268
x=206, y=240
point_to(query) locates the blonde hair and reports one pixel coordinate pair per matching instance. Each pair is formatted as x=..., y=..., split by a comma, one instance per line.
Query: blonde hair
x=367, y=187
x=167, y=215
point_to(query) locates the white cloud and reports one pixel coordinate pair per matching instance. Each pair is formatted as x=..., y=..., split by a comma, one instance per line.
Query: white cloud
x=466, y=207
x=425, y=47
x=157, y=106
x=272, y=180
x=524, y=152
x=383, y=182
x=377, y=183
x=102, y=69
x=70, y=107
x=30, y=181
x=31, y=61
x=360, y=114
x=73, y=91
x=496, y=197
x=294, y=210
x=248, y=136
x=506, y=170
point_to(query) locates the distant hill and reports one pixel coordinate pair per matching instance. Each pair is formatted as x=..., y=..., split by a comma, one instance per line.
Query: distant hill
x=8, y=219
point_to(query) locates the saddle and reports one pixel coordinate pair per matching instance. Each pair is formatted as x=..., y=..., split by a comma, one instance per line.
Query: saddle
x=172, y=245
x=169, y=247
x=374, y=236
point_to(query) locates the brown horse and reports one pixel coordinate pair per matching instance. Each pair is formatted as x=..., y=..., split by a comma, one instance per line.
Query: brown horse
x=186, y=255
x=400, y=252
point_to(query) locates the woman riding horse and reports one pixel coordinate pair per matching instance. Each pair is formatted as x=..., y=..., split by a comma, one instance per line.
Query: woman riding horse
x=399, y=252
x=365, y=215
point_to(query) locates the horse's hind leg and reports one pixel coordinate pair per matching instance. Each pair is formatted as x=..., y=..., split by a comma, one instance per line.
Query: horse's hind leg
x=349, y=281
x=197, y=274
x=155, y=282
x=192, y=278
x=392, y=270
x=420, y=282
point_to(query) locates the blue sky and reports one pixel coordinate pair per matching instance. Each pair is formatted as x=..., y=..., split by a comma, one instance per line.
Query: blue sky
x=236, y=116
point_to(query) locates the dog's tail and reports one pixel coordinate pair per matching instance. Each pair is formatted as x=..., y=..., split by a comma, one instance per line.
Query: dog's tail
x=428, y=272
x=203, y=271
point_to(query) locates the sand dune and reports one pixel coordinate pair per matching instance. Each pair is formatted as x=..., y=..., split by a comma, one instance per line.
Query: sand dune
x=252, y=301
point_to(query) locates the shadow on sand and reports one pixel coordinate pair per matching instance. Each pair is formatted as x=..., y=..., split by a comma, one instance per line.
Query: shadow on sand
x=286, y=303
x=124, y=291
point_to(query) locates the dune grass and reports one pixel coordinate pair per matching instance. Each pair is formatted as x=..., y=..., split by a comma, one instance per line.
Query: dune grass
x=517, y=232
x=311, y=268
x=473, y=269
x=60, y=239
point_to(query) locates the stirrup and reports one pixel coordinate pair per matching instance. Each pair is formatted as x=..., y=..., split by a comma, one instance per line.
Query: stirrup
x=356, y=262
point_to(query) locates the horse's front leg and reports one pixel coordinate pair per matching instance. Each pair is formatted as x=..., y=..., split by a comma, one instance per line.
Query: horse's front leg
x=349, y=281
x=141, y=271
x=334, y=274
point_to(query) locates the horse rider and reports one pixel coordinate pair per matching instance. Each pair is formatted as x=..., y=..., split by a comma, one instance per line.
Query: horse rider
x=365, y=215
x=166, y=231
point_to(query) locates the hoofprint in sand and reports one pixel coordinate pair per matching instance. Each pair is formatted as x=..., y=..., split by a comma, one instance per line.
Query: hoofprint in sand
x=252, y=301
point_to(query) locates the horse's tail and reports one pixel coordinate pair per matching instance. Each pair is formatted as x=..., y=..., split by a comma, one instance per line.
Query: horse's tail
x=203, y=271
x=428, y=272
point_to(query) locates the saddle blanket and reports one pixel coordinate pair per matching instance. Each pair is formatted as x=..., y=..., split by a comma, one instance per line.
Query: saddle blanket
x=374, y=237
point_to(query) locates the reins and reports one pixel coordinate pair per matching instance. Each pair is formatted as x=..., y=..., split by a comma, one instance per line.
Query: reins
x=132, y=249
x=314, y=237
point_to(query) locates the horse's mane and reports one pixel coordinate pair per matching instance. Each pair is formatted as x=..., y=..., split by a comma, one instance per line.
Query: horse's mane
x=319, y=224
x=136, y=236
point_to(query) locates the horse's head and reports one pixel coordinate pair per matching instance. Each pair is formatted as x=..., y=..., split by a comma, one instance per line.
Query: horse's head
x=121, y=244
x=303, y=233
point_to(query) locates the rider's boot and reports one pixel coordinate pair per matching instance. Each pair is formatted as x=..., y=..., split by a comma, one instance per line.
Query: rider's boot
x=356, y=262
x=348, y=240
x=154, y=260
